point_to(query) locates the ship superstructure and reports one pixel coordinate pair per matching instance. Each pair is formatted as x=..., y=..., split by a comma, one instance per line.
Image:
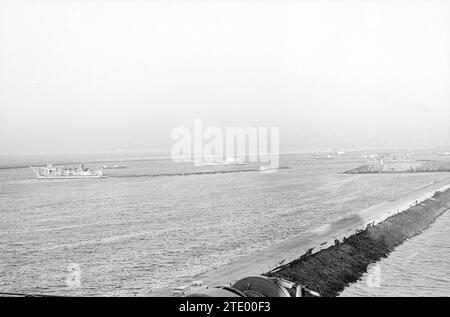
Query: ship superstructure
x=79, y=172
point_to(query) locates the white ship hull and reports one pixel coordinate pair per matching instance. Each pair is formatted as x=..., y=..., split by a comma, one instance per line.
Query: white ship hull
x=81, y=172
x=69, y=177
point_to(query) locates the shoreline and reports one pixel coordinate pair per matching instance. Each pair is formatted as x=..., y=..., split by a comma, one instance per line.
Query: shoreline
x=286, y=258
x=331, y=270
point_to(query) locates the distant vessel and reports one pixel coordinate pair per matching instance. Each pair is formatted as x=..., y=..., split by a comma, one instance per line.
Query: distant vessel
x=331, y=155
x=327, y=156
x=80, y=172
x=263, y=168
x=200, y=163
x=233, y=161
x=212, y=162
x=115, y=167
x=444, y=154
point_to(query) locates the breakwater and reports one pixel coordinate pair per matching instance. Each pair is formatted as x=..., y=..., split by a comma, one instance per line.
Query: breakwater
x=423, y=166
x=328, y=258
x=331, y=270
x=233, y=171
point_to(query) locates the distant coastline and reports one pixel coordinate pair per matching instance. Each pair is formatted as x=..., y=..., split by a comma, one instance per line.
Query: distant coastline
x=26, y=163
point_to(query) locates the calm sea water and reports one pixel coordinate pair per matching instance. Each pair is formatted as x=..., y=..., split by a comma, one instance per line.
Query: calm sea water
x=133, y=234
x=419, y=267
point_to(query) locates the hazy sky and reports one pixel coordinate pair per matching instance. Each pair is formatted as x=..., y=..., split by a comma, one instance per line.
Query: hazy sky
x=97, y=76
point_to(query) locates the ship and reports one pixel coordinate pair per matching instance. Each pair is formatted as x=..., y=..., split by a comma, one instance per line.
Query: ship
x=213, y=162
x=266, y=168
x=233, y=161
x=326, y=156
x=115, y=167
x=80, y=172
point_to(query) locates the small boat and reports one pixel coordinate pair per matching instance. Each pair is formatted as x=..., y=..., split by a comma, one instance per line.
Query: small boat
x=233, y=161
x=324, y=157
x=263, y=168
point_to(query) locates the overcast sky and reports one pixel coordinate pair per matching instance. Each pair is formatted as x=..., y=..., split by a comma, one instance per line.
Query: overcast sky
x=99, y=76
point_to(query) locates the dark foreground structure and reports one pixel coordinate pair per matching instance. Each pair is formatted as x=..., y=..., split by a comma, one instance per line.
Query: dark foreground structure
x=329, y=271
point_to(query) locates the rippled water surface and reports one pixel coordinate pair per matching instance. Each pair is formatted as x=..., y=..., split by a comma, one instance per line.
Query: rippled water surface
x=132, y=233
x=419, y=267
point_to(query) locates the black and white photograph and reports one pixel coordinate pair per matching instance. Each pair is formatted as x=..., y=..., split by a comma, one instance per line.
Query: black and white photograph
x=235, y=149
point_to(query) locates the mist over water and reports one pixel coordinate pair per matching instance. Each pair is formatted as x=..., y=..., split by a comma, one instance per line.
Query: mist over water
x=102, y=76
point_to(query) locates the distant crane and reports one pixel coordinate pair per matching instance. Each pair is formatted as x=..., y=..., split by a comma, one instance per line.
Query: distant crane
x=372, y=160
x=368, y=158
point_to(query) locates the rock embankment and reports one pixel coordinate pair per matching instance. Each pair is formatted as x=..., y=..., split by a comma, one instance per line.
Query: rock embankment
x=329, y=271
